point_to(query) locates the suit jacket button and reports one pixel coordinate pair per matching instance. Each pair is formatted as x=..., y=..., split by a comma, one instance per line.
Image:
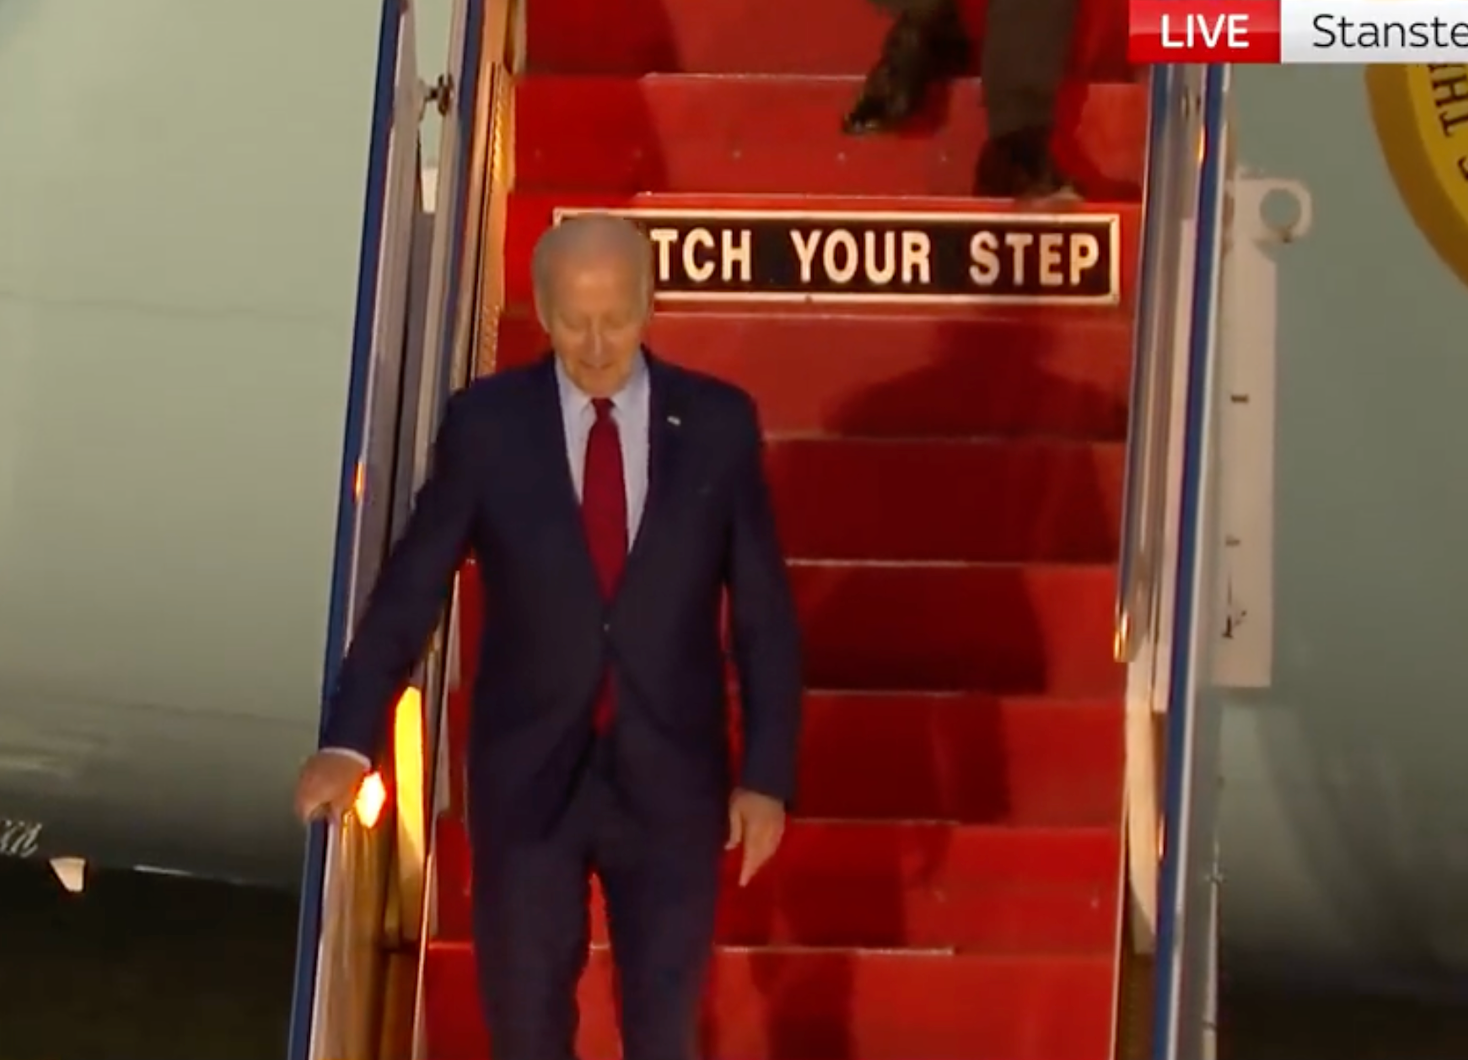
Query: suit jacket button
x=606, y=627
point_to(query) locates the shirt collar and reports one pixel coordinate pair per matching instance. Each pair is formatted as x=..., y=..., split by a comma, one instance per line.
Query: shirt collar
x=633, y=394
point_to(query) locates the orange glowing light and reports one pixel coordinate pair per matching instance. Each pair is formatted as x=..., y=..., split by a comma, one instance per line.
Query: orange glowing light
x=371, y=797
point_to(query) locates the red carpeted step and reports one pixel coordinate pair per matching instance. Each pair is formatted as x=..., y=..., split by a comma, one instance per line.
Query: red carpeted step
x=714, y=36
x=964, y=499
x=531, y=213
x=967, y=757
x=679, y=133
x=453, y=879
x=470, y=620
x=912, y=627
x=901, y=375
x=1020, y=500
x=887, y=886
x=834, y=1003
x=902, y=757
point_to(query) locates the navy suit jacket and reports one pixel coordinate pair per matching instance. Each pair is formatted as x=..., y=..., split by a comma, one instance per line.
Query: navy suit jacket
x=500, y=486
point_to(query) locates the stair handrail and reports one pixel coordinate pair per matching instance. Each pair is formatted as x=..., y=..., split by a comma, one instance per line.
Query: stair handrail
x=489, y=27
x=1170, y=178
x=1171, y=115
x=458, y=214
x=1186, y=643
x=472, y=286
x=381, y=300
x=1158, y=624
x=466, y=98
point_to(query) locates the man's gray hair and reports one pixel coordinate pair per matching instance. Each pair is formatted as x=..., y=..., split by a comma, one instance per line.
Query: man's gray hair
x=587, y=235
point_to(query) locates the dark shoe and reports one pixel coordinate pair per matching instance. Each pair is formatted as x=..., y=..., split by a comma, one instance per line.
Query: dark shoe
x=918, y=53
x=1020, y=165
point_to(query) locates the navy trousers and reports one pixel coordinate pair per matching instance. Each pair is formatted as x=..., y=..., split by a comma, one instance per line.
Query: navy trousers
x=531, y=924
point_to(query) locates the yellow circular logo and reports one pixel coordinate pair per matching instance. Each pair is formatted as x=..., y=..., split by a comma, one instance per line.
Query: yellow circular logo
x=1421, y=118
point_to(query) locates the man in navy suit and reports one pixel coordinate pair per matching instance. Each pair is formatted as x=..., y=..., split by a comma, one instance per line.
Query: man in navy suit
x=612, y=501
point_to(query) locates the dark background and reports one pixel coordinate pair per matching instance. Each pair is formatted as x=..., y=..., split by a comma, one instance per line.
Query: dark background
x=177, y=969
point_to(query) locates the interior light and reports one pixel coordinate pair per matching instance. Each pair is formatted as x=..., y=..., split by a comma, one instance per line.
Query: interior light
x=371, y=797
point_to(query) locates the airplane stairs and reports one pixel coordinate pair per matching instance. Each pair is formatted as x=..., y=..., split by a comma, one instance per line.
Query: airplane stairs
x=947, y=471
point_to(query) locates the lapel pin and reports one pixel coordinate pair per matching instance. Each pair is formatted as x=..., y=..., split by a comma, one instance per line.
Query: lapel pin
x=675, y=421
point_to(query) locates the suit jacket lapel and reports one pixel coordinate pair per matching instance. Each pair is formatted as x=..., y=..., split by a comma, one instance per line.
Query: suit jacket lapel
x=550, y=448
x=664, y=443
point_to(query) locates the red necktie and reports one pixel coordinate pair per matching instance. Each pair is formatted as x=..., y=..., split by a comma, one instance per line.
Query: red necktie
x=604, y=513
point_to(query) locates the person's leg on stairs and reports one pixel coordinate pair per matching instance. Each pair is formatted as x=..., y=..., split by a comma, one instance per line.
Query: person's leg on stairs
x=926, y=44
x=1026, y=44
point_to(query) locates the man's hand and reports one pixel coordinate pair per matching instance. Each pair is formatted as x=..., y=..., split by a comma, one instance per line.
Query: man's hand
x=758, y=822
x=328, y=785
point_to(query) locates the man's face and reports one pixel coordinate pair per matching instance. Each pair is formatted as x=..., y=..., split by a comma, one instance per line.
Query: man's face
x=595, y=312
